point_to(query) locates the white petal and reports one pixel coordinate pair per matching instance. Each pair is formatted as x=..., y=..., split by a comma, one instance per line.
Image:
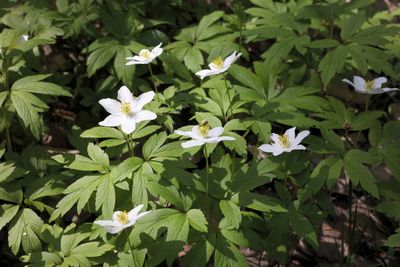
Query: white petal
x=275, y=138
x=359, y=84
x=300, y=137
x=389, y=89
x=134, y=212
x=266, y=148
x=225, y=138
x=215, y=132
x=145, y=115
x=276, y=150
x=111, y=106
x=110, y=226
x=196, y=133
x=291, y=134
x=128, y=125
x=379, y=81
x=125, y=95
x=140, y=215
x=184, y=133
x=157, y=50
x=112, y=121
x=349, y=82
x=205, y=73
x=231, y=59
x=193, y=143
x=299, y=147
x=142, y=100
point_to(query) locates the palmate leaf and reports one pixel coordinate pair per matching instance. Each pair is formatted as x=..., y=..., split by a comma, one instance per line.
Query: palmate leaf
x=332, y=63
x=24, y=228
x=33, y=84
x=7, y=212
x=102, y=51
x=124, y=72
x=27, y=112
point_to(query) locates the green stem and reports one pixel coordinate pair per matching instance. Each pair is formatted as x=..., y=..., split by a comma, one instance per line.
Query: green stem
x=229, y=97
x=129, y=144
x=7, y=87
x=366, y=110
x=154, y=81
x=130, y=246
x=206, y=158
x=350, y=205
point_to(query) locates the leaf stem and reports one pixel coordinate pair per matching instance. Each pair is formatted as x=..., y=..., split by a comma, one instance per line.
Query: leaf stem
x=129, y=144
x=154, y=81
x=7, y=88
x=207, y=169
x=229, y=97
x=130, y=246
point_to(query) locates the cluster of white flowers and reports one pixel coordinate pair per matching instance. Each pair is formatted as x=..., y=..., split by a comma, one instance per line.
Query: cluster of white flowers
x=128, y=111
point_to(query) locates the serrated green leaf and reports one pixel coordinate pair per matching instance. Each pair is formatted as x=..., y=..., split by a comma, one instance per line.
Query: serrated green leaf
x=197, y=220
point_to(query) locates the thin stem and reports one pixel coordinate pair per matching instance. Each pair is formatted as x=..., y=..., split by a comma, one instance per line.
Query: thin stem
x=7, y=87
x=366, y=110
x=130, y=246
x=154, y=81
x=229, y=96
x=350, y=205
x=129, y=144
x=206, y=158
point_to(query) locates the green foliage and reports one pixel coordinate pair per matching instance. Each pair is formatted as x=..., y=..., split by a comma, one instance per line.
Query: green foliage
x=60, y=170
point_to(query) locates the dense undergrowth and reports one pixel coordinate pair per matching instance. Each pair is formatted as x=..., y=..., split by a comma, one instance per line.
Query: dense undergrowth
x=230, y=128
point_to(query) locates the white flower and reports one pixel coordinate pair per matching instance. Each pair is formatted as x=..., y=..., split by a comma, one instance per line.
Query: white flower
x=285, y=143
x=218, y=65
x=128, y=112
x=202, y=134
x=145, y=56
x=369, y=87
x=121, y=220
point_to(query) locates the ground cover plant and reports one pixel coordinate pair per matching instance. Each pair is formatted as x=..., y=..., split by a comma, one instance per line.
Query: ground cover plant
x=199, y=133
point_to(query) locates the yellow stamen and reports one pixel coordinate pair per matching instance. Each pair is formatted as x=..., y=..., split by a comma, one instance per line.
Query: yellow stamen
x=204, y=128
x=123, y=217
x=144, y=53
x=369, y=85
x=284, y=141
x=126, y=108
x=218, y=63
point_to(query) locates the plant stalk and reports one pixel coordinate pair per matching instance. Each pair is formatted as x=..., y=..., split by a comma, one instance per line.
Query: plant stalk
x=130, y=246
x=229, y=97
x=154, y=82
x=207, y=169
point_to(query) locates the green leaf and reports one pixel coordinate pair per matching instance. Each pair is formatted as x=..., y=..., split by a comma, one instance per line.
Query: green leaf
x=231, y=212
x=323, y=43
x=333, y=139
x=197, y=220
x=206, y=22
x=91, y=249
x=24, y=229
x=352, y=25
x=124, y=72
x=3, y=97
x=193, y=59
x=279, y=51
x=105, y=196
x=246, y=77
x=31, y=84
x=152, y=144
x=332, y=63
x=126, y=168
x=304, y=228
x=7, y=212
x=14, y=196
x=98, y=156
x=26, y=112
x=389, y=208
x=258, y=202
x=103, y=132
x=104, y=51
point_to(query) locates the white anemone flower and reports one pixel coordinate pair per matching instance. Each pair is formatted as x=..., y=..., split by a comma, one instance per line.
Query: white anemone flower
x=285, y=143
x=129, y=111
x=369, y=87
x=121, y=220
x=218, y=65
x=145, y=56
x=202, y=134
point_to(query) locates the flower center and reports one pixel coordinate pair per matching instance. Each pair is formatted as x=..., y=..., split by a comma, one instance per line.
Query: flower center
x=123, y=217
x=204, y=128
x=284, y=141
x=218, y=63
x=126, y=108
x=144, y=53
x=369, y=85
